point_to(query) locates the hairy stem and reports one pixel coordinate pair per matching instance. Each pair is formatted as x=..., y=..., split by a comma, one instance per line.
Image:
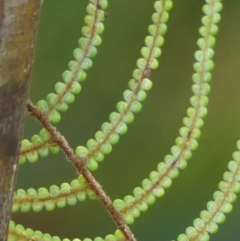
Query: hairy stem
x=80, y=166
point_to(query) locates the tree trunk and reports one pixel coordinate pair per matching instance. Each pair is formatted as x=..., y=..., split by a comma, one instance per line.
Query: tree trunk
x=18, y=27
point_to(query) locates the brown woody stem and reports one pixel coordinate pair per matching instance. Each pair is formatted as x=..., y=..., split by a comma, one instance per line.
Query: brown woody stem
x=81, y=168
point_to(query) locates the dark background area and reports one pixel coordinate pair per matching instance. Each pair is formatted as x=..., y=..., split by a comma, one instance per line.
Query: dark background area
x=155, y=128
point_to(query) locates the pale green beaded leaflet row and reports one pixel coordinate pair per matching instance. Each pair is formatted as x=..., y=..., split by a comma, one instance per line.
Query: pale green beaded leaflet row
x=138, y=85
x=66, y=90
x=221, y=204
x=159, y=180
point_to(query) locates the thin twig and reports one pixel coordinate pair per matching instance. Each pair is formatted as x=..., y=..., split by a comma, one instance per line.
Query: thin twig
x=81, y=168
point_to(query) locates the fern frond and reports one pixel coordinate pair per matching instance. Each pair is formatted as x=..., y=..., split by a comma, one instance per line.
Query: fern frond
x=219, y=206
x=67, y=193
x=153, y=187
x=80, y=167
x=161, y=179
x=109, y=134
x=110, y=131
x=19, y=233
x=40, y=145
x=65, y=91
x=87, y=49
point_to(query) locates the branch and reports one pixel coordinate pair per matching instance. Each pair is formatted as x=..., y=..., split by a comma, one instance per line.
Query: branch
x=18, y=27
x=80, y=166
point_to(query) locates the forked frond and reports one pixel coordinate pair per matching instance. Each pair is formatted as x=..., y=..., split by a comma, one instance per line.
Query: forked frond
x=186, y=142
x=110, y=131
x=131, y=206
x=154, y=186
x=207, y=223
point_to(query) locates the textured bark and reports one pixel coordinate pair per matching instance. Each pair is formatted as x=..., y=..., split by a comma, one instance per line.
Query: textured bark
x=18, y=27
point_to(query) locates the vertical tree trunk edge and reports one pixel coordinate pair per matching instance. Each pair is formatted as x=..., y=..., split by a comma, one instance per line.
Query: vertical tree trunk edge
x=18, y=29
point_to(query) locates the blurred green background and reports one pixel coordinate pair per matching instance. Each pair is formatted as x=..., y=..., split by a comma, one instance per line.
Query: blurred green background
x=154, y=130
